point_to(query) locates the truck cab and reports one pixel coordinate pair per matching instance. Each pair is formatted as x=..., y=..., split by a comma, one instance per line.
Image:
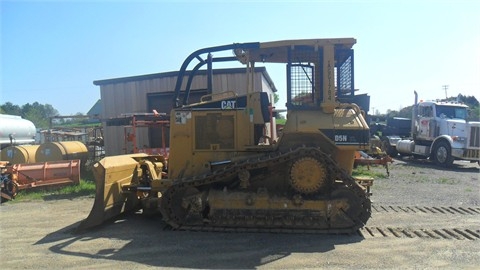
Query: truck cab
x=440, y=118
x=440, y=131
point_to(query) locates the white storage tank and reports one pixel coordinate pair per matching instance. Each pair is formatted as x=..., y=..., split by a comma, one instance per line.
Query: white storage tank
x=16, y=130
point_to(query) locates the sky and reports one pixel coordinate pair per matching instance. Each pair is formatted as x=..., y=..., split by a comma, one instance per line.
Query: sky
x=52, y=51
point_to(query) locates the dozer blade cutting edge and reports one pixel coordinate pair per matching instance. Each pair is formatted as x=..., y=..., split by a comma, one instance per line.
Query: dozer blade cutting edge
x=111, y=173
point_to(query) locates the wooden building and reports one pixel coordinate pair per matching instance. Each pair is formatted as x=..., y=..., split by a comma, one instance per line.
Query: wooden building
x=142, y=94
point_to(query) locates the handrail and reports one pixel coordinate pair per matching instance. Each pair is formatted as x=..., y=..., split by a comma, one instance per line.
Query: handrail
x=218, y=96
x=196, y=55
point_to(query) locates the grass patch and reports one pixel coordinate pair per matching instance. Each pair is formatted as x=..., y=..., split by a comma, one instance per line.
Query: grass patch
x=84, y=188
x=363, y=171
x=280, y=121
x=420, y=179
x=447, y=181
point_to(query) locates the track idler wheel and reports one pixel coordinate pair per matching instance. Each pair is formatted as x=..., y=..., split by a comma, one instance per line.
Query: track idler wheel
x=178, y=203
x=350, y=210
x=308, y=175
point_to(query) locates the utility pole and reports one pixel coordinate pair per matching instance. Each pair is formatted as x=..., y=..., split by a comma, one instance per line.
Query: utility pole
x=445, y=87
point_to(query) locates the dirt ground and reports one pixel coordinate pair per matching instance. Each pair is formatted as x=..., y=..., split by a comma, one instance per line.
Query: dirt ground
x=423, y=217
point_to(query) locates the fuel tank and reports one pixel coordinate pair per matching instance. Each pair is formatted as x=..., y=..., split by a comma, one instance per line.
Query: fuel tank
x=66, y=150
x=405, y=146
x=19, y=154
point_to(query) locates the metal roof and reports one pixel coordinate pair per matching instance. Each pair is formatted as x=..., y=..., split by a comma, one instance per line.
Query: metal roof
x=263, y=70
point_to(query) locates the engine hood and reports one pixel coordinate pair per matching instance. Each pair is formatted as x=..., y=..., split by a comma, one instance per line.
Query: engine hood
x=454, y=127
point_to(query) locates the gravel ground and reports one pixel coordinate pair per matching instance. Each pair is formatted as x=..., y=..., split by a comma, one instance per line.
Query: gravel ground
x=420, y=182
x=439, y=209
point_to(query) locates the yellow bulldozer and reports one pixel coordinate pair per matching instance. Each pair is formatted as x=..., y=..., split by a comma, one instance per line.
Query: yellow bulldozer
x=218, y=176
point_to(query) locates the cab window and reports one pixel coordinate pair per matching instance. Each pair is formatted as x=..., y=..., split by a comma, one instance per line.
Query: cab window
x=425, y=111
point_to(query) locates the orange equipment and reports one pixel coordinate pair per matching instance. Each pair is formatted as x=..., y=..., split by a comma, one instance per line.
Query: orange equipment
x=31, y=175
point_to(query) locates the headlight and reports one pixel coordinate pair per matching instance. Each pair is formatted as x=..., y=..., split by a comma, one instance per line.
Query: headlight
x=459, y=139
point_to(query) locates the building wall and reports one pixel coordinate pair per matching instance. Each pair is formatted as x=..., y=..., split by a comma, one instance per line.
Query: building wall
x=129, y=95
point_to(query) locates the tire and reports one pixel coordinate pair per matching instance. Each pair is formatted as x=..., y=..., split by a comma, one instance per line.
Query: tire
x=9, y=188
x=442, y=154
x=389, y=149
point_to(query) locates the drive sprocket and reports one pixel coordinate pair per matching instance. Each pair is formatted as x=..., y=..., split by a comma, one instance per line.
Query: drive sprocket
x=308, y=175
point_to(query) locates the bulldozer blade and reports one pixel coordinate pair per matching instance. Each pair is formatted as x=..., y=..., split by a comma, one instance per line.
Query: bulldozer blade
x=111, y=173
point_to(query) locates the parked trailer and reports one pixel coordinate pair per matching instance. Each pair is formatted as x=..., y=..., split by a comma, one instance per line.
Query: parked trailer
x=389, y=134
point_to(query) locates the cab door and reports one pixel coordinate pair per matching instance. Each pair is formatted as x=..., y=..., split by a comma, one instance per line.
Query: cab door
x=425, y=122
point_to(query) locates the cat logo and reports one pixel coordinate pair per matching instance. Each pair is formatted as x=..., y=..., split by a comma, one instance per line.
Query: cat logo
x=228, y=104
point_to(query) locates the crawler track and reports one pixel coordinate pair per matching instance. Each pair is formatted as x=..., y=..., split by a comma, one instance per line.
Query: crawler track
x=423, y=233
x=428, y=222
x=332, y=219
x=399, y=231
x=426, y=210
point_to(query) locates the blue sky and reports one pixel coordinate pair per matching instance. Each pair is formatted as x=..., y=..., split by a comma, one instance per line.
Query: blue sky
x=52, y=51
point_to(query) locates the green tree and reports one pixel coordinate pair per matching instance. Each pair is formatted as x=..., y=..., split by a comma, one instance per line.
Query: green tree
x=276, y=98
x=38, y=113
x=9, y=108
x=474, y=114
x=471, y=101
x=473, y=107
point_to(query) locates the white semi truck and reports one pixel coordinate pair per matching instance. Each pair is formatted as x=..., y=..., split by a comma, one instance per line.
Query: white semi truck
x=441, y=132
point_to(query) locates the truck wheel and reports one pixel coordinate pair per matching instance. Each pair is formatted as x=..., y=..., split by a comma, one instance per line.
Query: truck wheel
x=442, y=154
x=389, y=149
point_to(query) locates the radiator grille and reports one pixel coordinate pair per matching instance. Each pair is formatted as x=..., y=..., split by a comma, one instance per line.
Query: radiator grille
x=474, y=137
x=214, y=131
